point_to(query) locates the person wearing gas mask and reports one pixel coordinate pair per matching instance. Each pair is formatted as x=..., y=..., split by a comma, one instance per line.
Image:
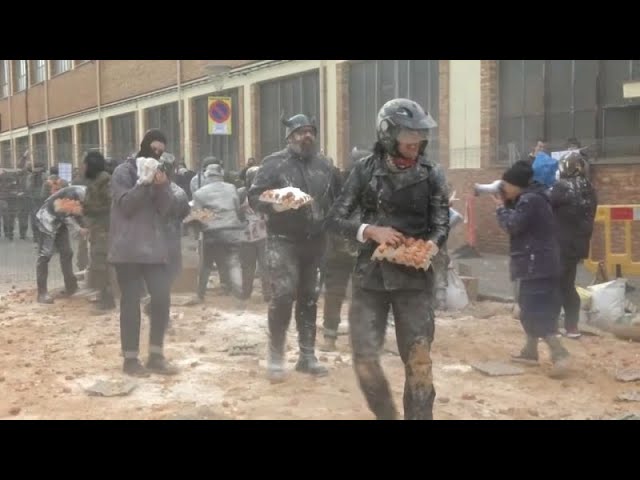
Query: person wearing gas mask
x=97, y=209
x=296, y=242
x=138, y=247
x=401, y=193
x=222, y=234
x=60, y=213
x=535, y=262
x=574, y=203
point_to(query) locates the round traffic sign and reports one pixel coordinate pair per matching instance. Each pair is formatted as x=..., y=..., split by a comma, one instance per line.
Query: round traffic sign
x=219, y=111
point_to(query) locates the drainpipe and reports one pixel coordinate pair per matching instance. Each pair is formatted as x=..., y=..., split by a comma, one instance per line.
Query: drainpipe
x=182, y=136
x=101, y=139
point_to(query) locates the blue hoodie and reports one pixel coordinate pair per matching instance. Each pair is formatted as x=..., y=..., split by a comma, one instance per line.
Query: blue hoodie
x=544, y=169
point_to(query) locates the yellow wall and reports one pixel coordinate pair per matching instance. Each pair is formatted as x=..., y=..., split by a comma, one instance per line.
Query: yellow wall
x=464, y=113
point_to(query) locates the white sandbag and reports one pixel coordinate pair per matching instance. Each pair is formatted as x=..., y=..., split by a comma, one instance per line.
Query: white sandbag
x=607, y=302
x=457, y=297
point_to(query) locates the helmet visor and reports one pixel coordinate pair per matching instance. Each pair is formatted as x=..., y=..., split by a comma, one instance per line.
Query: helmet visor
x=407, y=136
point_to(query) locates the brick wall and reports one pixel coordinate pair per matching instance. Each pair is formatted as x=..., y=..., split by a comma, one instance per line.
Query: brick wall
x=72, y=91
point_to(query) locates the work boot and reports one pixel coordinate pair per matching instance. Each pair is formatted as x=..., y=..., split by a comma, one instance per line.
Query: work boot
x=329, y=345
x=276, y=372
x=195, y=300
x=69, y=291
x=529, y=354
x=308, y=363
x=160, y=365
x=559, y=357
x=45, y=298
x=134, y=368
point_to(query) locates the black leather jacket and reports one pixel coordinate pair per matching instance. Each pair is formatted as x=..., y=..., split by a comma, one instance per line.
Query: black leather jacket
x=414, y=202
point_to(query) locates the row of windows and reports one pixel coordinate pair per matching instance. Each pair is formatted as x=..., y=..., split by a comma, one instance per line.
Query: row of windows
x=552, y=99
x=30, y=72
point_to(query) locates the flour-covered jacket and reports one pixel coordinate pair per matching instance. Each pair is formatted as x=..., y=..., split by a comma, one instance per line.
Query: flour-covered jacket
x=49, y=220
x=137, y=232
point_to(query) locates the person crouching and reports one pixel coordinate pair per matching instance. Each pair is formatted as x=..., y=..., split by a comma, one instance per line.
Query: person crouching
x=535, y=261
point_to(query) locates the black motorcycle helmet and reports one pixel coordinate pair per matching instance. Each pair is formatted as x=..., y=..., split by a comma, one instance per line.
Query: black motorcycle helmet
x=572, y=164
x=296, y=122
x=400, y=115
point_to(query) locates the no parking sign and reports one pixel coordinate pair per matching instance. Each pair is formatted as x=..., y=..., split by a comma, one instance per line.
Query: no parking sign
x=219, y=113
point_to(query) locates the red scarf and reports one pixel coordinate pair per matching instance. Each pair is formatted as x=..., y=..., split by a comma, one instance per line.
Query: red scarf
x=404, y=163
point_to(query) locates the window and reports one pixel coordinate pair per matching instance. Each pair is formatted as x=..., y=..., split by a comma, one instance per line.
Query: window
x=166, y=118
x=60, y=66
x=123, y=135
x=5, y=154
x=223, y=147
x=374, y=82
x=290, y=95
x=63, y=142
x=38, y=71
x=4, y=78
x=19, y=75
x=89, y=134
x=22, y=145
x=80, y=62
x=40, y=148
x=559, y=99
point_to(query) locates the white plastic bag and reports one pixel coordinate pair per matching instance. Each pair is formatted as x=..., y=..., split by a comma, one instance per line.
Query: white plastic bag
x=457, y=297
x=147, y=168
x=607, y=302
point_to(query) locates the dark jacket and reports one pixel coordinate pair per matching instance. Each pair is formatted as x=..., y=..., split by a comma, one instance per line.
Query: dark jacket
x=415, y=202
x=49, y=220
x=137, y=233
x=313, y=176
x=340, y=246
x=574, y=203
x=530, y=225
x=97, y=204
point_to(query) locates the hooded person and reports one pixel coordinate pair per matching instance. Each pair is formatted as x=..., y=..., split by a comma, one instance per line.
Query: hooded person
x=574, y=202
x=222, y=234
x=97, y=210
x=60, y=213
x=200, y=179
x=139, y=250
x=535, y=262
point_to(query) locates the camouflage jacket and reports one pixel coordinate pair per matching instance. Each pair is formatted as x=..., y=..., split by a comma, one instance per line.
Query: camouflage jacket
x=97, y=204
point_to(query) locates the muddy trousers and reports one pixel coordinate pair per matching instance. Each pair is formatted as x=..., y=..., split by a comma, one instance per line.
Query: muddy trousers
x=414, y=324
x=130, y=277
x=47, y=246
x=252, y=255
x=568, y=294
x=227, y=258
x=336, y=280
x=294, y=274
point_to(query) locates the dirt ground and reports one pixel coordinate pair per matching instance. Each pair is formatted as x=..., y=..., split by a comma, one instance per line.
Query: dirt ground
x=50, y=354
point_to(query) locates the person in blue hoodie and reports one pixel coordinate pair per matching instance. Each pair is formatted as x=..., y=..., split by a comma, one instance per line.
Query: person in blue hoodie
x=535, y=262
x=544, y=169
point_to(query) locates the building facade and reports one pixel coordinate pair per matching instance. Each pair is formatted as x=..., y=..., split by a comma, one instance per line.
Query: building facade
x=490, y=113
